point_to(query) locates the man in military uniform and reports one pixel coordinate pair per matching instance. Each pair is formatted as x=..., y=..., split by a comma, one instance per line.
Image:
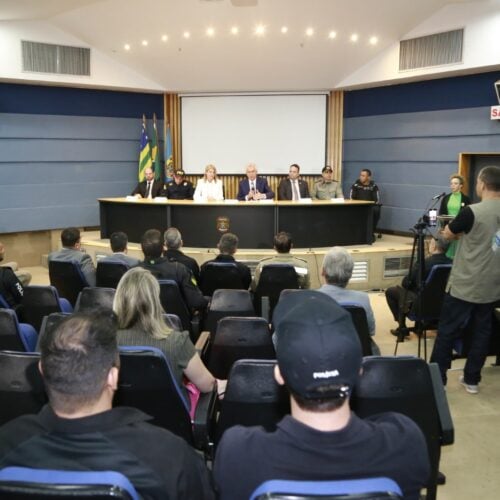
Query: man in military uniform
x=326, y=188
x=179, y=188
x=283, y=245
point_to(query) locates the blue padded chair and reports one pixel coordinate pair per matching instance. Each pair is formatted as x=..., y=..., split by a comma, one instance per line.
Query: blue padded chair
x=147, y=383
x=93, y=297
x=3, y=303
x=22, y=390
x=358, y=315
x=15, y=336
x=426, y=308
x=68, y=278
x=109, y=274
x=377, y=488
x=40, y=301
x=49, y=324
x=23, y=483
x=216, y=275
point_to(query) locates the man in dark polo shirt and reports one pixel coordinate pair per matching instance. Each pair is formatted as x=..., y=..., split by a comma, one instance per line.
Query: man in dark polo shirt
x=179, y=188
x=79, y=429
x=319, y=360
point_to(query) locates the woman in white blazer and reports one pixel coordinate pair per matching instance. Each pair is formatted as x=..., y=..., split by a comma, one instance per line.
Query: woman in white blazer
x=209, y=188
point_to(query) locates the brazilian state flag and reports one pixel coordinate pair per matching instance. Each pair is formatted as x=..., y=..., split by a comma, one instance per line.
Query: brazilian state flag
x=145, y=158
x=155, y=152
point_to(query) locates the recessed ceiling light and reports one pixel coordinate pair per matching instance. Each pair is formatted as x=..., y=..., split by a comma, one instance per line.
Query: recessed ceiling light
x=186, y=34
x=284, y=29
x=145, y=43
x=332, y=35
x=126, y=46
x=354, y=37
x=210, y=31
x=373, y=40
x=309, y=32
x=260, y=29
x=164, y=38
x=234, y=30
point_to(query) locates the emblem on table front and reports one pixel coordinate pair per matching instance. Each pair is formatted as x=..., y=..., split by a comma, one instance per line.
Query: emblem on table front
x=222, y=224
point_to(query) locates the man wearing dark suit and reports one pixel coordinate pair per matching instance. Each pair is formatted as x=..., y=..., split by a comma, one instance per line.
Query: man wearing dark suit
x=72, y=251
x=173, y=244
x=254, y=187
x=400, y=298
x=293, y=188
x=118, y=242
x=148, y=188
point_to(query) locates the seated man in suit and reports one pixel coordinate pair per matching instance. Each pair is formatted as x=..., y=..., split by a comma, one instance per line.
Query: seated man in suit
x=283, y=244
x=118, y=242
x=400, y=298
x=254, y=187
x=337, y=271
x=79, y=429
x=319, y=361
x=228, y=244
x=163, y=268
x=293, y=188
x=173, y=244
x=149, y=187
x=72, y=251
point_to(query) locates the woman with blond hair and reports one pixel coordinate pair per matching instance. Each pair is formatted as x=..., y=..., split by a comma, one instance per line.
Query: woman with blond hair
x=209, y=187
x=141, y=322
x=452, y=203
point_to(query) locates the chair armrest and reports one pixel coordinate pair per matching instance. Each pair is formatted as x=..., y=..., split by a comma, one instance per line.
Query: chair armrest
x=204, y=421
x=265, y=308
x=445, y=420
x=195, y=326
x=202, y=344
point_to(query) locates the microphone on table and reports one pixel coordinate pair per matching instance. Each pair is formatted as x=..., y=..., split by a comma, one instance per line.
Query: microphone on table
x=438, y=196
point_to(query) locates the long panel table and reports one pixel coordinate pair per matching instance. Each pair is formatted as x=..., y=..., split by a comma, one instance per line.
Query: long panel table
x=312, y=224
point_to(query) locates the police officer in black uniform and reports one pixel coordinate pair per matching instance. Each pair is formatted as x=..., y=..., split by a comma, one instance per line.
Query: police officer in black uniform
x=179, y=188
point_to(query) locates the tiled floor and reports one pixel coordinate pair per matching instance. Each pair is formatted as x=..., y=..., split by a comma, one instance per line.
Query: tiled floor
x=472, y=464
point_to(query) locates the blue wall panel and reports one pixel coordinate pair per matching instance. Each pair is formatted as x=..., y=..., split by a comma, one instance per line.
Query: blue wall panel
x=61, y=149
x=414, y=148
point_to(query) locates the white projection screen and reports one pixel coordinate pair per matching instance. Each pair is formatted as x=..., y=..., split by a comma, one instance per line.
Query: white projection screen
x=270, y=130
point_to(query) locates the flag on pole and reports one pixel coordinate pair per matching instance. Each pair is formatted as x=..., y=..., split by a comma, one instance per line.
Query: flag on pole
x=169, y=157
x=145, y=160
x=155, y=151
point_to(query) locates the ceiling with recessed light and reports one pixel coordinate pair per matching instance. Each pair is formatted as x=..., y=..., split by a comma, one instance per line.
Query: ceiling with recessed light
x=233, y=45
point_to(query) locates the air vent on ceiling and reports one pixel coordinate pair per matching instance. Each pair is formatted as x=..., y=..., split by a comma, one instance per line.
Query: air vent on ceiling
x=60, y=59
x=432, y=50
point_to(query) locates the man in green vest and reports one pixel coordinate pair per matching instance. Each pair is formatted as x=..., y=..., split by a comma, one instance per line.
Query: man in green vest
x=474, y=284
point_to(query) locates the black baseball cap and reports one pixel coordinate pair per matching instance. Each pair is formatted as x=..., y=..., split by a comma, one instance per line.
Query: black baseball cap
x=318, y=350
x=327, y=169
x=179, y=173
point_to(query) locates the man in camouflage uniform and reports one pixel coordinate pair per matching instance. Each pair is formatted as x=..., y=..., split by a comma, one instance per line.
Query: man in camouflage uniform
x=326, y=188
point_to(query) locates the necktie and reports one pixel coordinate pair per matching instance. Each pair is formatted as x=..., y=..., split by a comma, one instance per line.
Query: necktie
x=148, y=190
x=296, y=195
x=252, y=186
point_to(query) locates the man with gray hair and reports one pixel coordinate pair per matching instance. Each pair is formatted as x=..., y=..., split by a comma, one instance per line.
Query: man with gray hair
x=173, y=244
x=400, y=298
x=337, y=271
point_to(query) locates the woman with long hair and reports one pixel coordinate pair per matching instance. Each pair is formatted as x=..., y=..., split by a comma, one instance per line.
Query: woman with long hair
x=141, y=321
x=209, y=187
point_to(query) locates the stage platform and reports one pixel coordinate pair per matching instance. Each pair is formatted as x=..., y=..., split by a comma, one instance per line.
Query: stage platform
x=377, y=266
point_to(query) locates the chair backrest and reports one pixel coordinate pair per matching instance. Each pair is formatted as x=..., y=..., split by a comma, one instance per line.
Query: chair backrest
x=92, y=298
x=21, y=385
x=173, y=321
x=358, y=315
x=427, y=305
x=228, y=302
x=3, y=303
x=108, y=274
x=173, y=303
x=252, y=397
x=10, y=334
x=273, y=279
x=68, y=278
x=239, y=338
x=19, y=483
x=407, y=385
x=146, y=382
x=377, y=488
x=215, y=275
x=39, y=301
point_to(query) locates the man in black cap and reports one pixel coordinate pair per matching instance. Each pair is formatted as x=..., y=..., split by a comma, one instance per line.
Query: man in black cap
x=179, y=188
x=319, y=361
x=327, y=187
